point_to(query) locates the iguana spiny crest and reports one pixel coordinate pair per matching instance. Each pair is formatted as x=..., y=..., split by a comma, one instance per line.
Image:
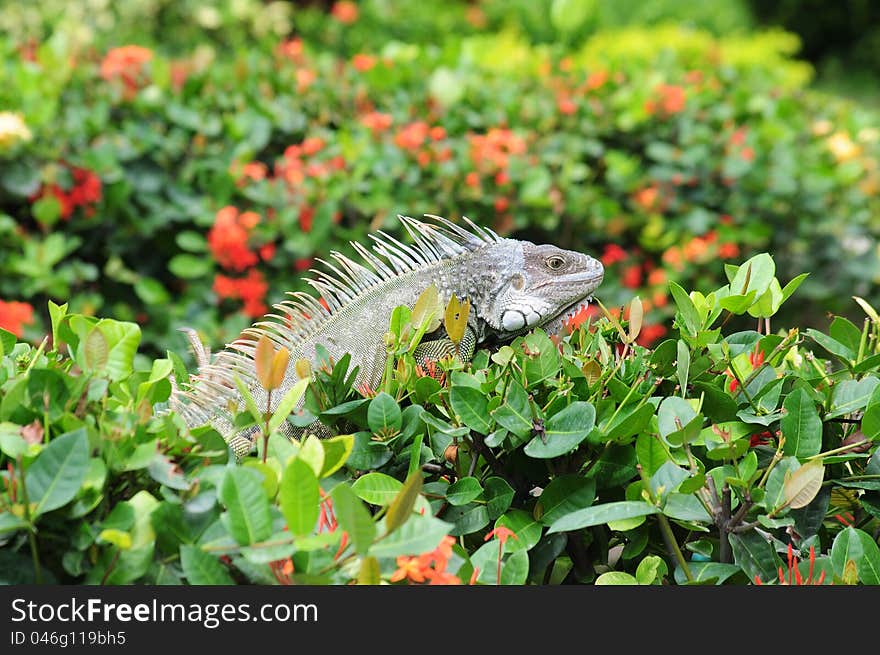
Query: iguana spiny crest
x=512, y=285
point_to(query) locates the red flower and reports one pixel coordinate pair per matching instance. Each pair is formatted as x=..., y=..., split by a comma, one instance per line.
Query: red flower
x=501, y=204
x=345, y=12
x=306, y=218
x=613, y=254
x=747, y=153
x=596, y=79
x=760, y=438
x=438, y=133
x=291, y=49
x=794, y=575
x=756, y=358
x=429, y=567
x=632, y=276
x=472, y=179
x=85, y=191
x=650, y=333
x=15, y=315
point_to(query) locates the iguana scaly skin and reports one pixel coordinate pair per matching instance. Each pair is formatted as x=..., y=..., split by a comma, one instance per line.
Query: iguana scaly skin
x=512, y=285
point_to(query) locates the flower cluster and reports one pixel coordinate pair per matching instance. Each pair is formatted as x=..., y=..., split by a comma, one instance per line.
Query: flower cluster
x=15, y=315
x=429, y=567
x=125, y=66
x=85, y=191
x=795, y=578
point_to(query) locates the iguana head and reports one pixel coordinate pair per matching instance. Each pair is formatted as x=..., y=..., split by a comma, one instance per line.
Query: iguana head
x=540, y=285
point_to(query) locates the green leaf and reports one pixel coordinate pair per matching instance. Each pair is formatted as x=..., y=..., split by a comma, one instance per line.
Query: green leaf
x=299, y=497
x=58, y=472
x=683, y=365
x=471, y=406
x=677, y=421
x=650, y=453
x=498, y=495
x=377, y=488
x=401, y=508
x=201, y=568
x=242, y=493
x=801, y=426
x=754, y=555
x=336, y=452
x=191, y=267
x=383, y=414
x=651, y=570
x=686, y=309
x=353, y=518
x=542, y=362
x=564, y=495
x=563, y=431
x=420, y=534
x=857, y=546
x=831, y=345
x=756, y=274
x=466, y=518
x=600, y=514
x=851, y=395
x=287, y=404
x=515, y=414
x=312, y=453
x=7, y=341
x=616, y=578
x=463, y=491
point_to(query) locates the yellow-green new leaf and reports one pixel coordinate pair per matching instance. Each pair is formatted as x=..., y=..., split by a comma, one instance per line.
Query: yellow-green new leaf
x=456, y=318
x=288, y=402
x=426, y=311
x=369, y=573
x=636, y=314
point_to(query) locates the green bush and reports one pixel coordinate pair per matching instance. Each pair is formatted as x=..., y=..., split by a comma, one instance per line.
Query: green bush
x=126, y=174
x=716, y=458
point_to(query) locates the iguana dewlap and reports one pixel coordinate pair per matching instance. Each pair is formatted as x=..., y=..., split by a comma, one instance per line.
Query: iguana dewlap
x=512, y=285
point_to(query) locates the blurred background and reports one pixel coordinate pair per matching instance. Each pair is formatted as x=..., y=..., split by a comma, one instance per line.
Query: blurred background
x=181, y=162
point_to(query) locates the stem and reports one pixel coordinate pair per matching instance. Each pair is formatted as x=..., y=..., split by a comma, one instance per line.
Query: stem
x=32, y=535
x=842, y=449
x=666, y=529
x=724, y=551
x=266, y=426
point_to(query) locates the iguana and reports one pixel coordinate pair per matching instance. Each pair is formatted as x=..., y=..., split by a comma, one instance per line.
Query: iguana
x=512, y=286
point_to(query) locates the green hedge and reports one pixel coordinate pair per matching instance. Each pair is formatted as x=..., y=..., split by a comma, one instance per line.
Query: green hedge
x=125, y=173
x=718, y=457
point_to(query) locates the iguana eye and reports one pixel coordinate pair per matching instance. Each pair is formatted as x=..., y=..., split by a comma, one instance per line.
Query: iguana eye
x=555, y=262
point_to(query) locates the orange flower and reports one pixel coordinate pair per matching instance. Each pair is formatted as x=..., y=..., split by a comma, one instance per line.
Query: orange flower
x=363, y=63
x=794, y=575
x=412, y=136
x=312, y=145
x=647, y=198
x=291, y=49
x=673, y=257
x=578, y=319
x=728, y=250
x=304, y=78
x=125, y=64
x=747, y=153
x=566, y=105
x=228, y=238
x=438, y=133
x=251, y=289
x=596, y=79
x=472, y=179
x=670, y=99
x=502, y=204
x=253, y=170
x=409, y=568
x=657, y=276
x=695, y=249
x=376, y=121
x=493, y=149
x=15, y=315
x=345, y=11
